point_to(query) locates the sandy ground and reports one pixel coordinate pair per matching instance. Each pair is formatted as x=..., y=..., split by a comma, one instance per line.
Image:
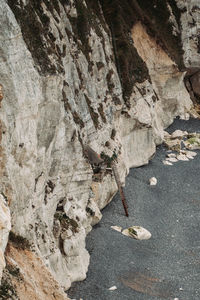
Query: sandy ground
x=167, y=266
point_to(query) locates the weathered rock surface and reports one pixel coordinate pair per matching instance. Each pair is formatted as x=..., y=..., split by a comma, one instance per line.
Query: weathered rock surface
x=167, y=81
x=73, y=77
x=190, y=26
x=26, y=277
x=5, y=226
x=195, y=82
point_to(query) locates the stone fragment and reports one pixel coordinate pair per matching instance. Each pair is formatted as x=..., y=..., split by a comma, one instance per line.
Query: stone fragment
x=182, y=157
x=117, y=228
x=137, y=232
x=171, y=159
x=112, y=288
x=173, y=144
x=166, y=134
x=153, y=181
x=178, y=134
x=171, y=155
x=190, y=154
x=167, y=163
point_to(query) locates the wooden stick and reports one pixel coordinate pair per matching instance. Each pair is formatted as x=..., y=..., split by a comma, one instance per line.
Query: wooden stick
x=121, y=192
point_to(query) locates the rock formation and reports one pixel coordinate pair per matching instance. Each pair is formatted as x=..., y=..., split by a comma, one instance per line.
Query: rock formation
x=101, y=75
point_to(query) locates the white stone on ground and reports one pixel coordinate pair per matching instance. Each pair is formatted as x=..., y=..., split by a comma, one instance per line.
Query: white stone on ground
x=153, y=181
x=182, y=157
x=171, y=155
x=171, y=159
x=112, y=288
x=167, y=163
x=191, y=153
x=117, y=228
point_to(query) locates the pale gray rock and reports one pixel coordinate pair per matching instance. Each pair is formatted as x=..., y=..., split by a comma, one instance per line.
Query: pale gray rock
x=153, y=181
x=178, y=134
x=182, y=157
x=167, y=163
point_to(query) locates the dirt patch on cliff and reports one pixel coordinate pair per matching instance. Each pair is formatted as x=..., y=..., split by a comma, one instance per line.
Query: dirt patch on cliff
x=150, y=51
x=26, y=277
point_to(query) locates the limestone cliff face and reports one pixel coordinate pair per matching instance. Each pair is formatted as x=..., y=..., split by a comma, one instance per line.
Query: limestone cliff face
x=74, y=74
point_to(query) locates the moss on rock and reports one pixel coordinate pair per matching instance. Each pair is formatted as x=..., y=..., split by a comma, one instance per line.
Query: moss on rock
x=155, y=14
x=35, y=28
x=19, y=241
x=120, y=16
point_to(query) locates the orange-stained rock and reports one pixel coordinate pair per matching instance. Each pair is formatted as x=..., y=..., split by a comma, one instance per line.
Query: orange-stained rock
x=34, y=281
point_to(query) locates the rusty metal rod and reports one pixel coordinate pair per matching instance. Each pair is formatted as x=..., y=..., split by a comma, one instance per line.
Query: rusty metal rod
x=119, y=185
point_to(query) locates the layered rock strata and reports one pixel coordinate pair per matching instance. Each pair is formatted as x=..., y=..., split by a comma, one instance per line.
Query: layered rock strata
x=73, y=78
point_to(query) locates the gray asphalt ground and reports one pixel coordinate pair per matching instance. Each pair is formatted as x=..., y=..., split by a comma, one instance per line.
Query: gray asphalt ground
x=167, y=266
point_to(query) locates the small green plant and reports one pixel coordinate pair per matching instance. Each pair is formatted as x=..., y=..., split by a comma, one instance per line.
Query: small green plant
x=193, y=140
x=109, y=159
x=132, y=231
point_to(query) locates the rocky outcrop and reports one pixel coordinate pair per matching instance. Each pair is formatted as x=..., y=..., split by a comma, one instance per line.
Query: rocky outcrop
x=76, y=78
x=190, y=26
x=26, y=277
x=167, y=80
x=195, y=84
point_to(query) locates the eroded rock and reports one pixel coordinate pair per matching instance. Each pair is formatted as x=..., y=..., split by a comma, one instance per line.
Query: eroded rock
x=195, y=82
x=26, y=277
